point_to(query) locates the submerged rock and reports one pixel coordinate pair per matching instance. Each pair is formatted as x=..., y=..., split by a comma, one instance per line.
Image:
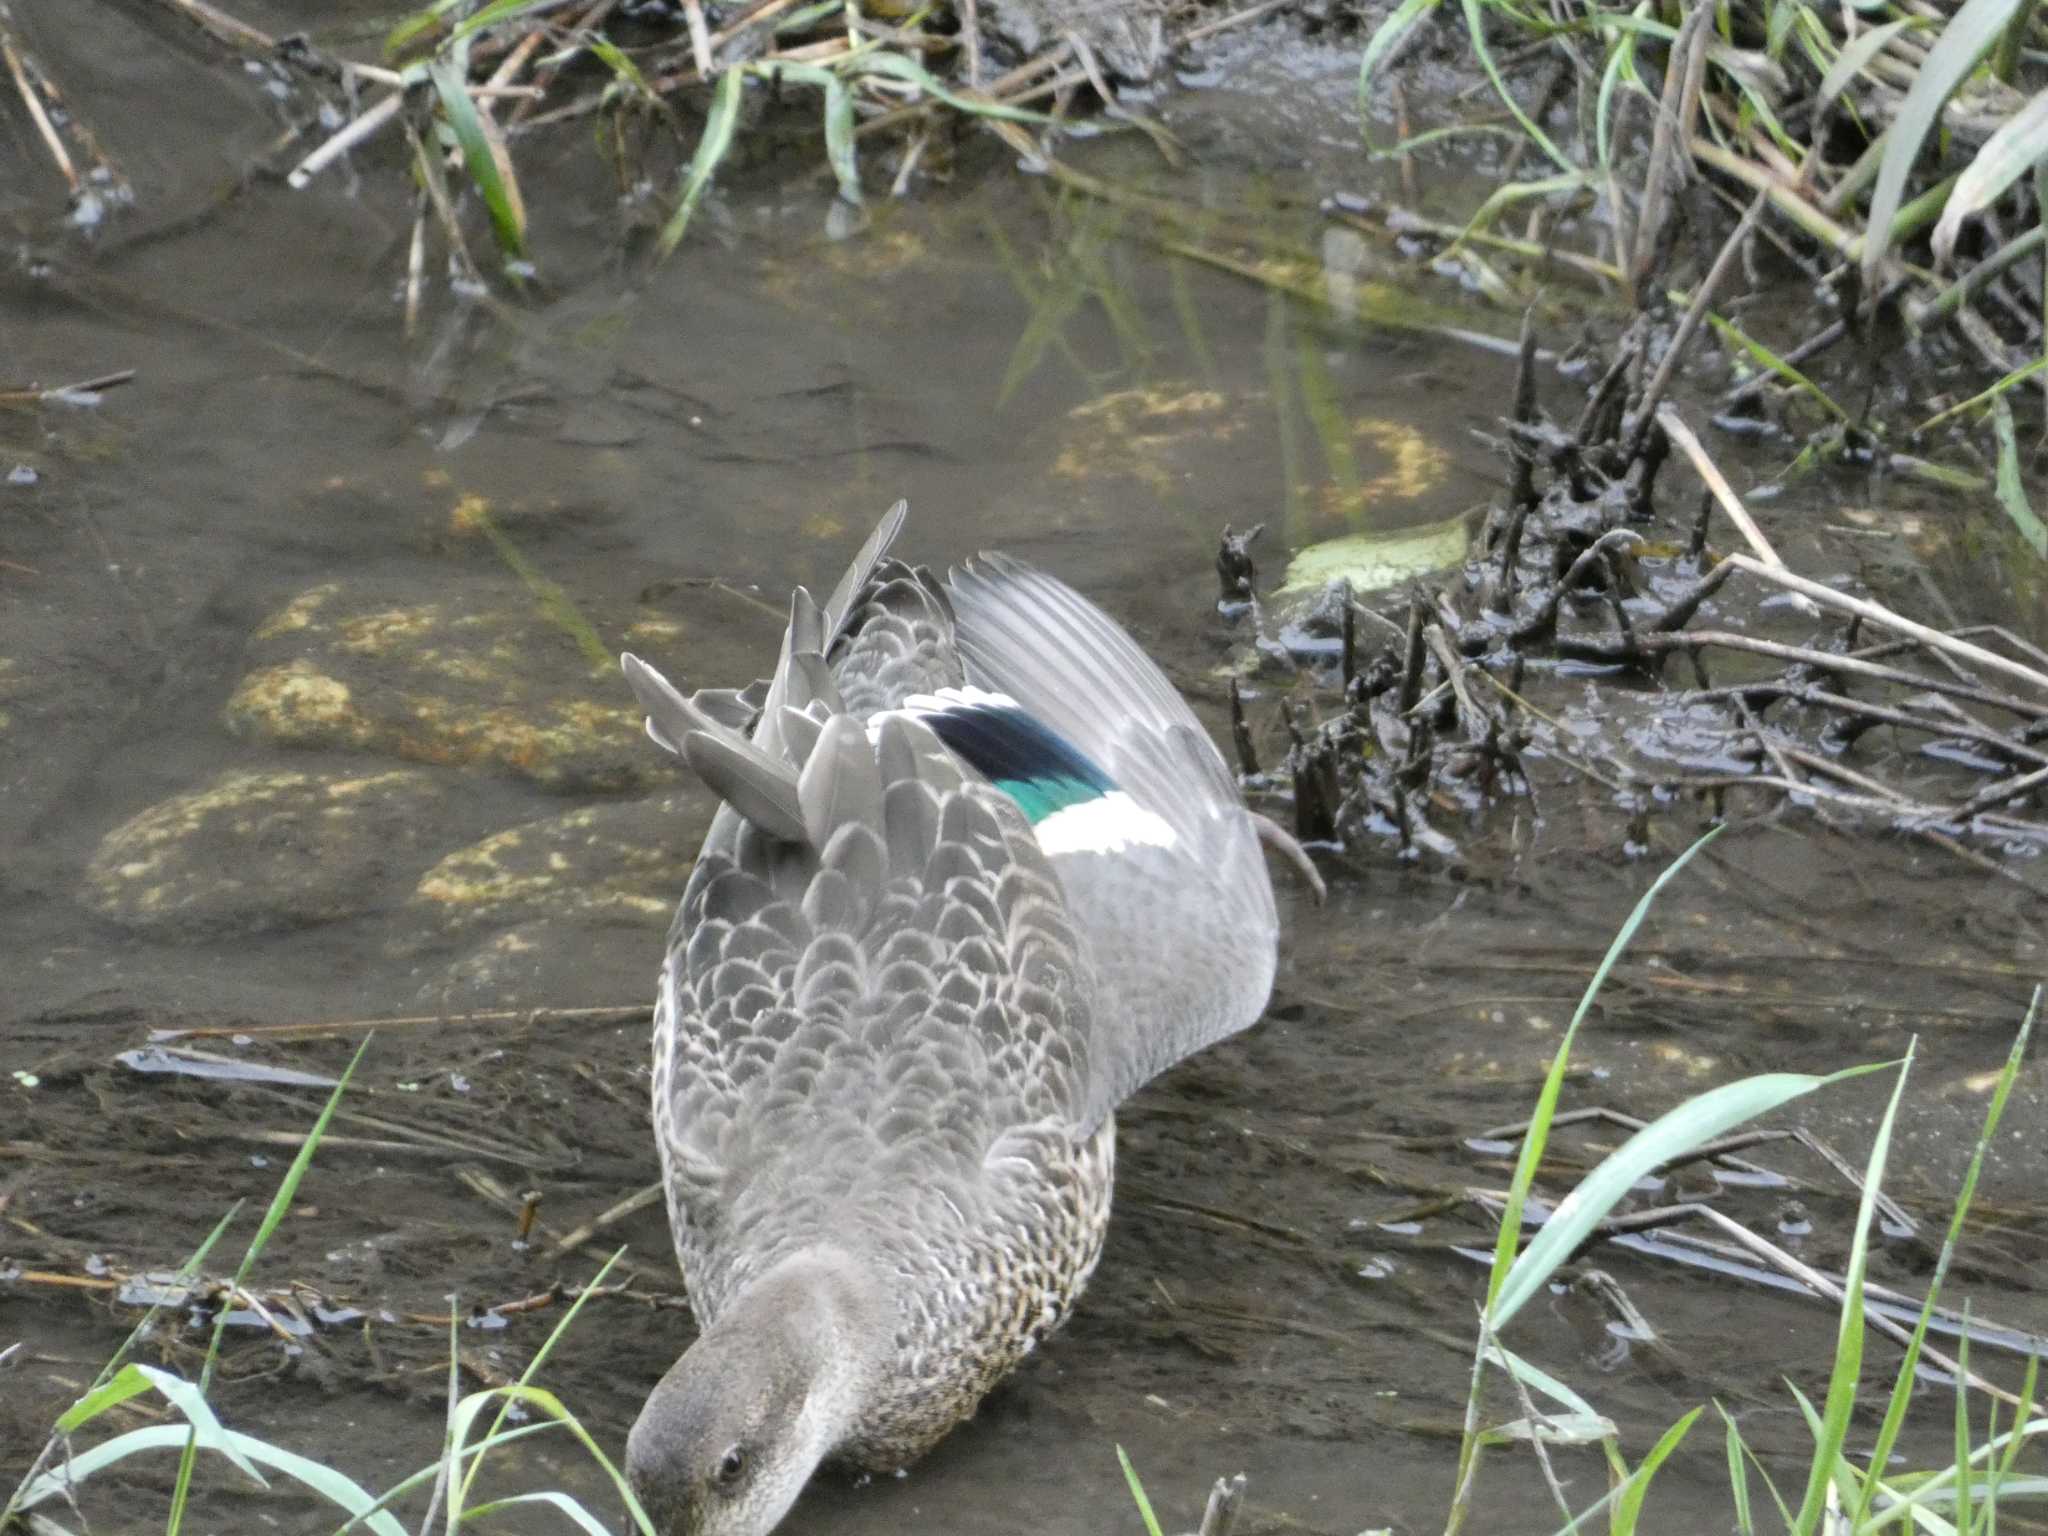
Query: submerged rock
x=438, y=682
x=255, y=851
x=1177, y=438
x=623, y=864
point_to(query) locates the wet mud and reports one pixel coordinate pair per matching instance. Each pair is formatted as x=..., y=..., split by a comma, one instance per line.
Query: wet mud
x=290, y=740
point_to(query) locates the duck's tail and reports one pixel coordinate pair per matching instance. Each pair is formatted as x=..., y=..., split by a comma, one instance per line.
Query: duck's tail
x=883, y=635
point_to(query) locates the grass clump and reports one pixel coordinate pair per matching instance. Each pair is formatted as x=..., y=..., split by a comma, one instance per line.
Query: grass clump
x=1894, y=149
x=65, y=1467
x=1840, y=1497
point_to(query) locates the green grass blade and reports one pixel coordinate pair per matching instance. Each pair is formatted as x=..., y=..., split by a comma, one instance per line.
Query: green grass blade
x=1533, y=1140
x=839, y=139
x=839, y=150
x=187, y=1272
x=1985, y=396
x=280, y=1202
x=1475, y=24
x=901, y=67
x=1671, y=1135
x=494, y=13
x=132, y=1381
x=1855, y=57
x=576, y=1514
x=288, y=1186
x=465, y=1417
x=1736, y=336
x=1405, y=18
x=484, y=153
x=711, y=149
x=432, y=1469
x=1540, y=1380
x=1963, y=1483
x=1509, y=1240
x=539, y=1359
x=2012, y=495
x=1138, y=1494
x=2020, y=144
x=616, y=59
x=1738, y=1473
x=331, y=1485
x=2001, y=1479
x=416, y=26
x=1969, y=35
x=1628, y=1509
x=1848, y=1367
x=1902, y=1384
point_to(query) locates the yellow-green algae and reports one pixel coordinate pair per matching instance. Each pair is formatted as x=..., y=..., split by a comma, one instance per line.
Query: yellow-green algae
x=253, y=850
x=437, y=682
x=615, y=863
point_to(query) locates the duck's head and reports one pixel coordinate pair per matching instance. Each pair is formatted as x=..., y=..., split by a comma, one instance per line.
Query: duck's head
x=731, y=1434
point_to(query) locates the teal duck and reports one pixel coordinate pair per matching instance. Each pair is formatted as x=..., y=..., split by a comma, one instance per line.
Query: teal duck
x=978, y=874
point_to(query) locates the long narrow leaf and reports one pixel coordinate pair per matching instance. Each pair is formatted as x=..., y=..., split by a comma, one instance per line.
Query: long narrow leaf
x=2012, y=495
x=1406, y=17
x=483, y=151
x=1628, y=1508
x=132, y=1381
x=1671, y=1135
x=465, y=1417
x=500, y=10
x=1509, y=1239
x=902, y=67
x=1855, y=57
x=838, y=122
x=1476, y=25
x=1848, y=1367
x=1734, y=334
x=1138, y=1494
x=711, y=149
x=331, y=1485
x=1902, y=1384
x=2020, y=144
x=1969, y=35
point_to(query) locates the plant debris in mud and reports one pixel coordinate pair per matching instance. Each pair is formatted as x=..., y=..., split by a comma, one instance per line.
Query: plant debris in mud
x=1868, y=716
x=670, y=87
x=1893, y=150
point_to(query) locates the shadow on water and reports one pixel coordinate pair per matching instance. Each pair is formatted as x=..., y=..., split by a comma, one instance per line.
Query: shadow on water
x=304, y=718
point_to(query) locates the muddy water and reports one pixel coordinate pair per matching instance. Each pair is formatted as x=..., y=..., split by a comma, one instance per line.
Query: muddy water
x=300, y=723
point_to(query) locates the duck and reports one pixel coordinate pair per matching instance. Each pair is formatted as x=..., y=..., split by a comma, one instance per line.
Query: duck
x=977, y=874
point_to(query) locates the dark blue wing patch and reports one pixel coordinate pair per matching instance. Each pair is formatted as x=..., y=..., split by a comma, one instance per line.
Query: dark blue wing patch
x=1035, y=766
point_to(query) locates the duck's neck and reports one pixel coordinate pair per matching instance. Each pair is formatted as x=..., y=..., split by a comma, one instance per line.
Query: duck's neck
x=825, y=1305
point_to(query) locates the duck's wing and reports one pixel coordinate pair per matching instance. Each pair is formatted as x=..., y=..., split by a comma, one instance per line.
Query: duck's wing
x=1166, y=881
x=872, y=967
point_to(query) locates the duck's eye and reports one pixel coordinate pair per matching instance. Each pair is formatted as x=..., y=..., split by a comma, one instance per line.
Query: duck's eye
x=732, y=1466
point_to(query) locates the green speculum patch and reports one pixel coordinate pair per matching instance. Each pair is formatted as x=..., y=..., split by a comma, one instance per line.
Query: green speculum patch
x=1040, y=798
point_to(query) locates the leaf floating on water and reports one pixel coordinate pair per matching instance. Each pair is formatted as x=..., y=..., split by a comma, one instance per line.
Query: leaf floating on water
x=204, y=1064
x=1372, y=562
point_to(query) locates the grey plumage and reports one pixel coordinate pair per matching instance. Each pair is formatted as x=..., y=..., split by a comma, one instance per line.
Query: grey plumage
x=891, y=1031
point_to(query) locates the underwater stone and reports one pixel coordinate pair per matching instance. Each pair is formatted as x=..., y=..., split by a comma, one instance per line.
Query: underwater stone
x=255, y=851
x=440, y=682
x=624, y=864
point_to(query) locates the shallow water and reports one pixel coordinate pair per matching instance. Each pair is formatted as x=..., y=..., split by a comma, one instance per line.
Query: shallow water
x=1288, y=1288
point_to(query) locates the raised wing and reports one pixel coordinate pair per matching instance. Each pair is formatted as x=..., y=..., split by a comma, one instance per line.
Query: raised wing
x=1181, y=928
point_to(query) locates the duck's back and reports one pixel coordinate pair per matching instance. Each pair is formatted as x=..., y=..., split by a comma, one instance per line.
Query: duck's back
x=978, y=875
